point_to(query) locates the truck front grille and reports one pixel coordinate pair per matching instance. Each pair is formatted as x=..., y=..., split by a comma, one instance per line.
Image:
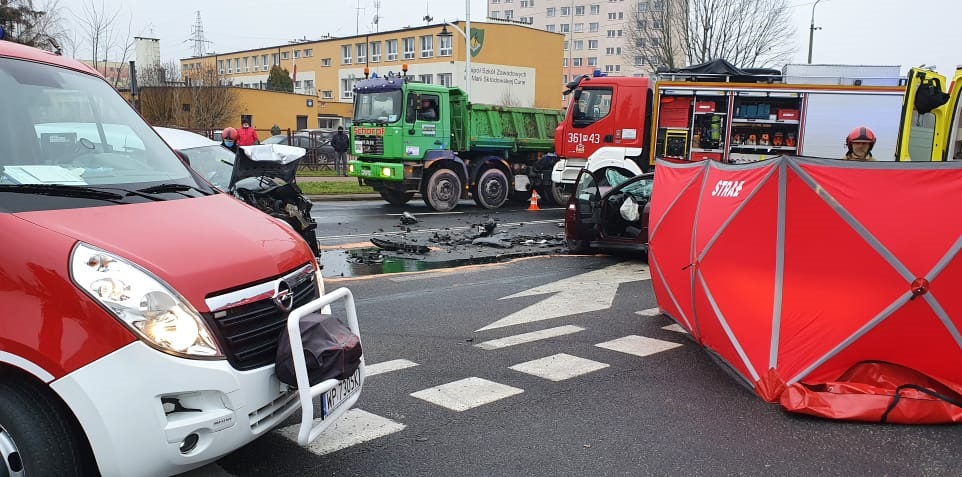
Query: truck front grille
x=370, y=144
x=247, y=323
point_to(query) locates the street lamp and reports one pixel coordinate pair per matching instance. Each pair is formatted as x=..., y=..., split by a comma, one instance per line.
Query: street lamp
x=467, y=44
x=811, y=32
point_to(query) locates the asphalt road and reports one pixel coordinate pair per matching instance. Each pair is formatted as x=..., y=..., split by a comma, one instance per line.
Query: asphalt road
x=566, y=369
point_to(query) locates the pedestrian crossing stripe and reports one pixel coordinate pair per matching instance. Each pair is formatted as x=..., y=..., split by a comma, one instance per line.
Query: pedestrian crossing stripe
x=559, y=367
x=467, y=393
x=388, y=366
x=638, y=345
x=529, y=337
x=355, y=427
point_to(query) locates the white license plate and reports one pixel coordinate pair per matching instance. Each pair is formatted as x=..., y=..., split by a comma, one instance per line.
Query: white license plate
x=365, y=172
x=340, y=393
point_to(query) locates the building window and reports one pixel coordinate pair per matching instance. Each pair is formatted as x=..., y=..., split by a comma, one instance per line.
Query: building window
x=446, y=79
x=426, y=79
x=220, y=66
x=347, y=86
x=327, y=94
x=276, y=58
x=565, y=28
x=285, y=55
x=254, y=61
x=576, y=61
x=527, y=3
x=508, y=14
x=308, y=53
x=592, y=61
x=230, y=66
x=579, y=27
x=609, y=51
x=595, y=10
x=444, y=45
x=263, y=62
x=564, y=62
x=657, y=24
x=297, y=53
x=246, y=65
x=375, y=52
x=391, y=50
x=616, y=16
x=325, y=62
x=346, y=54
x=611, y=33
x=549, y=28
x=494, y=13
x=309, y=85
x=550, y=12
x=658, y=5
x=580, y=11
x=642, y=7
x=427, y=46
x=639, y=60
x=579, y=44
x=565, y=11
x=592, y=44
x=408, y=48
x=566, y=45
x=361, y=53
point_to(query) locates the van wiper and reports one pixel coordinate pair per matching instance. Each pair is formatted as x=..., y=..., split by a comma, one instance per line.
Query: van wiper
x=166, y=188
x=61, y=190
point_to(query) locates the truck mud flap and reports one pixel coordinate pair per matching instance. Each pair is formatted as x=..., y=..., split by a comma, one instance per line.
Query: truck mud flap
x=337, y=396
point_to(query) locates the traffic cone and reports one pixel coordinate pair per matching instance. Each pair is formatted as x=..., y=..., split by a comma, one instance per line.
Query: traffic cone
x=534, y=200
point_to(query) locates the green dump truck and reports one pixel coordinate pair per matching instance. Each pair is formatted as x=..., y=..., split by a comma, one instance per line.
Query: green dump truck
x=415, y=138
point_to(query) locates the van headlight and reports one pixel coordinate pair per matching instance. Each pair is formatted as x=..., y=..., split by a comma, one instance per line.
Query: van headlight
x=147, y=305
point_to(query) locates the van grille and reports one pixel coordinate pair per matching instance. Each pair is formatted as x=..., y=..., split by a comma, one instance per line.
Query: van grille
x=247, y=323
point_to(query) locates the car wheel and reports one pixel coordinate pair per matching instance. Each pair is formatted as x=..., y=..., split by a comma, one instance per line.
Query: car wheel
x=37, y=434
x=578, y=246
x=492, y=189
x=395, y=197
x=442, y=190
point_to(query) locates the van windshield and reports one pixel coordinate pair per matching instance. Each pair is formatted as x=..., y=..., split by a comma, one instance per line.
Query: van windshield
x=63, y=128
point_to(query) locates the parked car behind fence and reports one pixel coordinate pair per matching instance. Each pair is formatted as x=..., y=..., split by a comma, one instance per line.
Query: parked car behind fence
x=317, y=142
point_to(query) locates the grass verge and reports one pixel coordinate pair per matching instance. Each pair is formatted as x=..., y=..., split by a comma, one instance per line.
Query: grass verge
x=327, y=188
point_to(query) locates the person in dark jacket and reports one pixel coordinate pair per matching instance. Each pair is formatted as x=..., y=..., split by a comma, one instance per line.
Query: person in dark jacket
x=340, y=142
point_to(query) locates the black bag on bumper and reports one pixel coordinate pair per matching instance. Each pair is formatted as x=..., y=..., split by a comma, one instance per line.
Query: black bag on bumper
x=331, y=350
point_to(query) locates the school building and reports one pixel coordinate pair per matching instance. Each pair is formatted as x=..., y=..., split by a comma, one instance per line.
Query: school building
x=511, y=64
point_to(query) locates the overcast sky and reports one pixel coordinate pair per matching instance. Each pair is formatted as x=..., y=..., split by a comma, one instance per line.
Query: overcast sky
x=874, y=32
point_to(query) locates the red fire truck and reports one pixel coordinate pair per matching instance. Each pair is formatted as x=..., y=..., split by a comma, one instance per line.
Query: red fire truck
x=629, y=122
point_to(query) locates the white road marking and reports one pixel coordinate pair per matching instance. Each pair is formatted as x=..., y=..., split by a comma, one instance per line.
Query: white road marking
x=675, y=327
x=388, y=366
x=354, y=427
x=529, y=337
x=638, y=345
x=649, y=312
x=592, y=291
x=559, y=367
x=466, y=394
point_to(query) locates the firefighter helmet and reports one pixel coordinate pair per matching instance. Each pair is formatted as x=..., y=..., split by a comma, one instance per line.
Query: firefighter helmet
x=860, y=134
x=229, y=133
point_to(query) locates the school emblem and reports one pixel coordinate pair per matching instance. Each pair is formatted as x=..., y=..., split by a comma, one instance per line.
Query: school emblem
x=477, y=41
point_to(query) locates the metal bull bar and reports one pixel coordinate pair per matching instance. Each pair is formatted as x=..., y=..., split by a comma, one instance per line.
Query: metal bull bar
x=309, y=431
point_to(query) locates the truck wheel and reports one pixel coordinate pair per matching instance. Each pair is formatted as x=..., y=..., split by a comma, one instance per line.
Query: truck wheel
x=443, y=190
x=394, y=197
x=492, y=189
x=37, y=437
x=556, y=194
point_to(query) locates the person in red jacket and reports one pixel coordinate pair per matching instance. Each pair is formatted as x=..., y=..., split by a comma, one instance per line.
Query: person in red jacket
x=246, y=135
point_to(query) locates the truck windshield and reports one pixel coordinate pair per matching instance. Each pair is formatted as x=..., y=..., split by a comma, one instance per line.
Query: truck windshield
x=63, y=128
x=592, y=104
x=380, y=107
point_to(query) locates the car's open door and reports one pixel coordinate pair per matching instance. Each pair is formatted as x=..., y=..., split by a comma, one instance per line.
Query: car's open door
x=927, y=114
x=954, y=145
x=587, y=202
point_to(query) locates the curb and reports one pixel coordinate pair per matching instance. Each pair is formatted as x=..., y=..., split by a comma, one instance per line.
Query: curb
x=344, y=197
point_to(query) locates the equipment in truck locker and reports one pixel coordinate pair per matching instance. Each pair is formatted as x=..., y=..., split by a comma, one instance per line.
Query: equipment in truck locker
x=676, y=142
x=674, y=112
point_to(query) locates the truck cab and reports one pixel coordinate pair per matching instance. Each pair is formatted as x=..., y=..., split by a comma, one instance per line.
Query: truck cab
x=931, y=128
x=606, y=124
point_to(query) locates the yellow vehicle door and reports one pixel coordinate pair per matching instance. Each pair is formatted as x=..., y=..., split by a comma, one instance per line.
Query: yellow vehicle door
x=926, y=117
x=954, y=123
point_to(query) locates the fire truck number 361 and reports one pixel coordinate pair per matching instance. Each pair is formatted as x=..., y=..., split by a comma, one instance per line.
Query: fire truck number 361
x=575, y=138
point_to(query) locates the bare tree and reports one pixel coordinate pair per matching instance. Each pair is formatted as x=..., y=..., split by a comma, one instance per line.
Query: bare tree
x=36, y=24
x=200, y=102
x=106, y=38
x=747, y=33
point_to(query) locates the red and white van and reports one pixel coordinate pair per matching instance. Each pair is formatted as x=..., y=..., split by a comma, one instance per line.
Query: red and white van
x=140, y=309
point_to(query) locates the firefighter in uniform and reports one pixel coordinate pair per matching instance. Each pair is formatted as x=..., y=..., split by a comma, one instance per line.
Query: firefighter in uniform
x=860, y=142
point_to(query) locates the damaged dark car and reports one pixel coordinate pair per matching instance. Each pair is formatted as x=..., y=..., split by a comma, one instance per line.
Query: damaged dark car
x=609, y=211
